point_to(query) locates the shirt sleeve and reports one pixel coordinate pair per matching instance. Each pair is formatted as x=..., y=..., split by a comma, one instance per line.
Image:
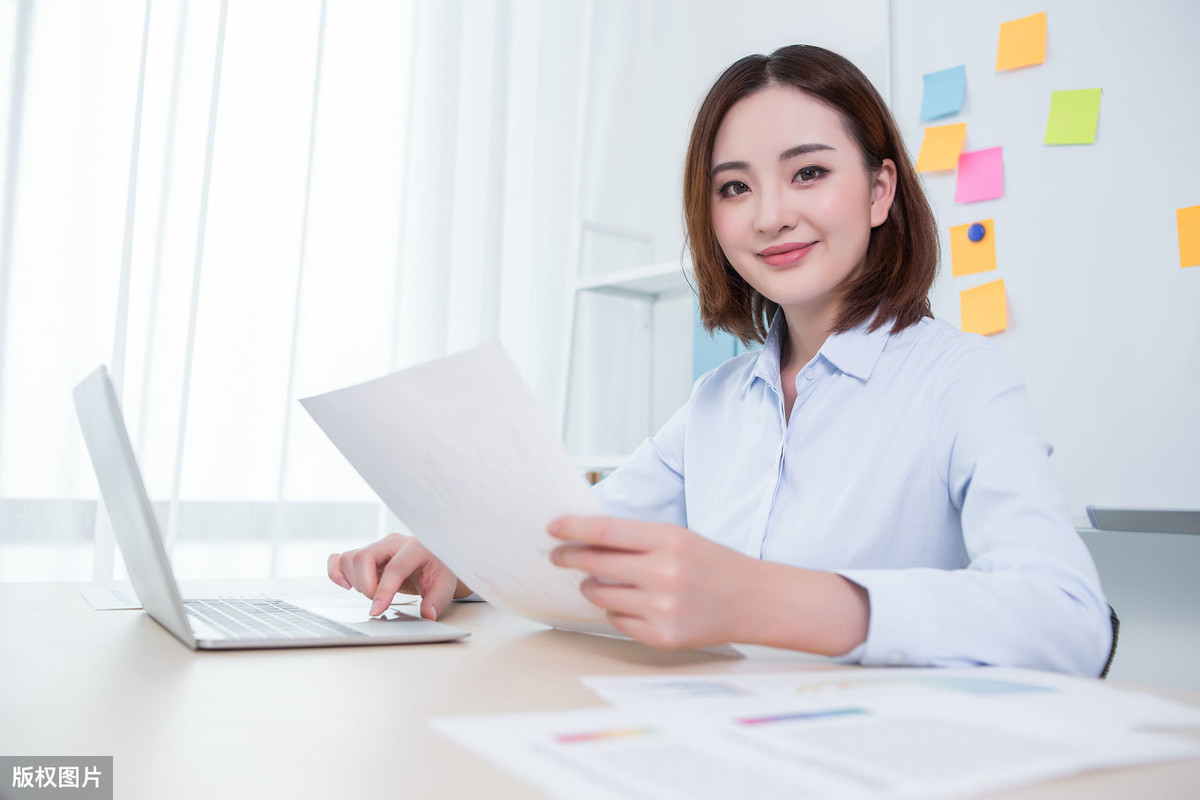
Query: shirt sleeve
x=649, y=485
x=1030, y=595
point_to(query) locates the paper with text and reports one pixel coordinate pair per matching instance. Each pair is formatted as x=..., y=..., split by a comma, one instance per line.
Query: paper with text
x=900, y=733
x=462, y=453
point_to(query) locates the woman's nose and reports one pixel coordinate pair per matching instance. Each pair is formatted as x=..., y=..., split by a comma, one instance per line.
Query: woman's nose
x=773, y=213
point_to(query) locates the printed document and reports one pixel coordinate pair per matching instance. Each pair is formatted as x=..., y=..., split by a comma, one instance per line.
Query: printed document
x=866, y=733
x=462, y=453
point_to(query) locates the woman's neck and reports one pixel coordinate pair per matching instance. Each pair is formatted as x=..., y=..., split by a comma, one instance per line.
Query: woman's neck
x=806, y=333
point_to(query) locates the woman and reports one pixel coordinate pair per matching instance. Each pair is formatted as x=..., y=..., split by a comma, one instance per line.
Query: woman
x=871, y=484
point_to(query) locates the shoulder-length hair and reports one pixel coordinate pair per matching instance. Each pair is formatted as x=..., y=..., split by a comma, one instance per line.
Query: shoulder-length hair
x=902, y=253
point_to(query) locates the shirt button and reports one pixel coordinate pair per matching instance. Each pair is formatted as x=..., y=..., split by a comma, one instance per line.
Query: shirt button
x=810, y=375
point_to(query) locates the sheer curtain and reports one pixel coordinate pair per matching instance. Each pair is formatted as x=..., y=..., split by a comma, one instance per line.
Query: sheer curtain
x=235, y=204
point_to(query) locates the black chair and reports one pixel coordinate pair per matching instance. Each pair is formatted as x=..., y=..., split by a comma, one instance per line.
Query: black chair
x=1112, y=651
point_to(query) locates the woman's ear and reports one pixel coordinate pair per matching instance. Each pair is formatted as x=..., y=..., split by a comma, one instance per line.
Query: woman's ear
x=883, y=192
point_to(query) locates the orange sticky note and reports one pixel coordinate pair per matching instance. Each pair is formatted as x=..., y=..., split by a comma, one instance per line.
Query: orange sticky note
x=984, y=309
x=941, y=147
x=968, y=257
x=1188, y=220
x=1022, y=43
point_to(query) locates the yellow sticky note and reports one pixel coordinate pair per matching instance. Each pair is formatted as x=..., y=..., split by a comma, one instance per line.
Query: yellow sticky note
x=1188, y=220
x=968, y=257
x=984, y=309
x=941, y=147
x=1022, y=42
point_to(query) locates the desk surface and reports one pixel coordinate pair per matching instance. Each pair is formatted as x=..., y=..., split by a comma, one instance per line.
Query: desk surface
x=334, y=722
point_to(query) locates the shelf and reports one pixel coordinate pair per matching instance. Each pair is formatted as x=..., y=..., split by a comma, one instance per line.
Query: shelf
x=646, y=282
x=600, y=463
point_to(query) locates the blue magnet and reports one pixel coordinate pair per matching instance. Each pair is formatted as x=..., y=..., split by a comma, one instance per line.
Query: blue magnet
x=976, y=232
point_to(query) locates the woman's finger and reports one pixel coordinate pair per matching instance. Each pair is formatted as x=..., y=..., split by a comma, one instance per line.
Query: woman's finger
x=334, y=567
x=407, y=560
x=612, y=532
x=613, y=565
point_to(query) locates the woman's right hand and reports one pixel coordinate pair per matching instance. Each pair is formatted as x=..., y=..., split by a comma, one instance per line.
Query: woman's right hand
x=394, y=564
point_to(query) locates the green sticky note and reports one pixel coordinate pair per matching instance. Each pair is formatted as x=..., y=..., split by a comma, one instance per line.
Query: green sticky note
x=1073, y=117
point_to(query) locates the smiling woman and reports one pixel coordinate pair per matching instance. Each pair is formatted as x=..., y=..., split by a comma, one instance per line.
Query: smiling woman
x=789, y=219
x=835, y=103
x=871, y=485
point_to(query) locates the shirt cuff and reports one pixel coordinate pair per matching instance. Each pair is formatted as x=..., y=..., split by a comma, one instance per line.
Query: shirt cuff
x=902, y=626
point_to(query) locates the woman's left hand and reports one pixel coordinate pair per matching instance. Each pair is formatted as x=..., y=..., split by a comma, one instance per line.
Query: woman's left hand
x=661, y=584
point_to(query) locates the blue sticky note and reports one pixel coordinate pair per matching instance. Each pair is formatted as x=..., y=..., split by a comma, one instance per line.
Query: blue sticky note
x=944, y=92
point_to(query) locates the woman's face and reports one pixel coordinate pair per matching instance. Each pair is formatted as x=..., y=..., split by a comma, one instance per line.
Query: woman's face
x=792, y=204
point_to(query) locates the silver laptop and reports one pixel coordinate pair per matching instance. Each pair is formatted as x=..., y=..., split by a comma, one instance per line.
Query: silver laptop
x=212, y=623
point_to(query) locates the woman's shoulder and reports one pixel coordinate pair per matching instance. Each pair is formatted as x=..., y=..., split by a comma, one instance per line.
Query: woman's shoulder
x=941, y=346
x=959, y=369
x=733, y=372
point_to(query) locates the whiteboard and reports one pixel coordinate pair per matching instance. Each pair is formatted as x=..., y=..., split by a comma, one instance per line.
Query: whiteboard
x=1102, y=320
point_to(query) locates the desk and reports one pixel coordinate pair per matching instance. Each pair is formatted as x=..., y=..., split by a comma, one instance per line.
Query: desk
x=335, y=722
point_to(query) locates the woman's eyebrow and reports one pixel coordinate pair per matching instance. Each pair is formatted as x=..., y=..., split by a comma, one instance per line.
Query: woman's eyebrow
x=802, y=149
x=729, y=165
x=791, y=152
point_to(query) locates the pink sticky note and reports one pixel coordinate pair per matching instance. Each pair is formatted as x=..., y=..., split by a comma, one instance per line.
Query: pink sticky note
x=980, y=175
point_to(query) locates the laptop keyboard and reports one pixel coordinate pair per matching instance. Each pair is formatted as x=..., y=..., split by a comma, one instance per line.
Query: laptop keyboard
x=261, y=618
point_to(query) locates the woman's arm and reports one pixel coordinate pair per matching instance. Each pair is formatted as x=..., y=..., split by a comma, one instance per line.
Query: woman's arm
x=1028, y=595
x=668, y=587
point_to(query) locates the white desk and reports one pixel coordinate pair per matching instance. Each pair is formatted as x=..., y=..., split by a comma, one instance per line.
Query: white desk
x=339, y=722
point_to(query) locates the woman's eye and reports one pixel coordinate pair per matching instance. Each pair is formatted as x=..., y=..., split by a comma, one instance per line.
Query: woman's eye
x=810, y=174
x=733, y=188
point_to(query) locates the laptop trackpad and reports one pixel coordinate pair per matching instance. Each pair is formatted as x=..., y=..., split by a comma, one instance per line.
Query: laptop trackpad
x=356, y=616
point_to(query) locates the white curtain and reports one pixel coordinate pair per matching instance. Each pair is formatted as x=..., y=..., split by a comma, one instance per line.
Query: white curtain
x=237, y=203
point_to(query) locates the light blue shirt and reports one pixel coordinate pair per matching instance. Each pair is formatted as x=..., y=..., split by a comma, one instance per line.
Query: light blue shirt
x=912, y=465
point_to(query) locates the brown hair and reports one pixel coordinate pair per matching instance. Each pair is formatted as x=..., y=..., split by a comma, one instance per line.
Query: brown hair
x=902, y=253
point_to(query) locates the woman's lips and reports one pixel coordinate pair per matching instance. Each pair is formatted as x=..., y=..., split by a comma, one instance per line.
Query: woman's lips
x=784, y=255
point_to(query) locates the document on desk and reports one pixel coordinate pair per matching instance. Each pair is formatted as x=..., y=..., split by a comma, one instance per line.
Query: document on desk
x=894, y=733
x=460, y=450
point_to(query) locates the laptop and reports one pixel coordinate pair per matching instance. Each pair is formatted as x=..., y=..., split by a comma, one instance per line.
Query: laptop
x=219, y=623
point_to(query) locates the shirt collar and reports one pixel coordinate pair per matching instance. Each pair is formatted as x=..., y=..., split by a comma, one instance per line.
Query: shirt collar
x=767, y=365
x=854, y=352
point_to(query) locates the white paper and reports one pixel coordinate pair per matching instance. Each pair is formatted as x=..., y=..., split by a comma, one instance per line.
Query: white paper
x=110, y=598
x=860, y=733
x=462, y=453
x=1082, y=700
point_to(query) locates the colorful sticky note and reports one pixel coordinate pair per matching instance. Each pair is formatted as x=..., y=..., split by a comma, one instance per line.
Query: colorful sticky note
x=1022, y=42
x=984, y=309
x=980, y=175
x=1073, y=117
x=968, y=257
x=941, y=147
x=944, y=92
x=1188, y=220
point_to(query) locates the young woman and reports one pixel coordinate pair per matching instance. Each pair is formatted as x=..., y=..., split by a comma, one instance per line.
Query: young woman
x=871, y=484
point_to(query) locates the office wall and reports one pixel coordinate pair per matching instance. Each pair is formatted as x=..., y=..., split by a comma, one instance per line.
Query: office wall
x=1102, y=320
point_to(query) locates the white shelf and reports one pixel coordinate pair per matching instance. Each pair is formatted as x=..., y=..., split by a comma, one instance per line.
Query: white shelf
x=649, y=282
x=600, y=463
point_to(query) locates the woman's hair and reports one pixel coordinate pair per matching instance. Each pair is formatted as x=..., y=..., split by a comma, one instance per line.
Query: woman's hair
x=902, y=253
